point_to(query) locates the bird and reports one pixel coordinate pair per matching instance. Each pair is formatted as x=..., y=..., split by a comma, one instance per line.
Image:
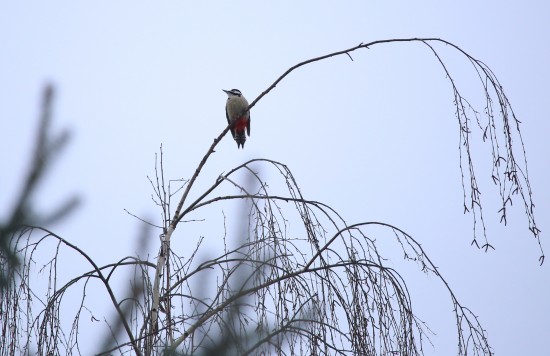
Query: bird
x=238, y=116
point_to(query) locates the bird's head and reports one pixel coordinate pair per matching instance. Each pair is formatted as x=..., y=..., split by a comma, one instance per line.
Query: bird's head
x=233, y=92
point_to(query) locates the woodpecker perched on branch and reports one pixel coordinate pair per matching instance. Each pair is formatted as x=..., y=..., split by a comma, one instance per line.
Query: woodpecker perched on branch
x=236, y=111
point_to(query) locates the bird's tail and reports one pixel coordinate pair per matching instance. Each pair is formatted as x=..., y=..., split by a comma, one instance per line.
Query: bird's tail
x=240, y=138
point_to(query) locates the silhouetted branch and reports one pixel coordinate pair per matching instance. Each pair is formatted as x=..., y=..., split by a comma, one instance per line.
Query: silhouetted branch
x=514, y=179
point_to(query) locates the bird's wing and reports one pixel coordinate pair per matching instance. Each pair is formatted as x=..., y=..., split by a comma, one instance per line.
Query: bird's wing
x=229, y=122
x=248, y=126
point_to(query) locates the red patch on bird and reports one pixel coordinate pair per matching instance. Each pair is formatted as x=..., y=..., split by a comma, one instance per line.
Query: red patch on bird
x=240, y=125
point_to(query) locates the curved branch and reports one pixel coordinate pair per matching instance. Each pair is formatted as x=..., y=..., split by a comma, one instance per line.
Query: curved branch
x=102, y=278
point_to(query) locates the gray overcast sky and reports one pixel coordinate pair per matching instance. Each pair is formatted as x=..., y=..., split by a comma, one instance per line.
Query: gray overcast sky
x=375, y=138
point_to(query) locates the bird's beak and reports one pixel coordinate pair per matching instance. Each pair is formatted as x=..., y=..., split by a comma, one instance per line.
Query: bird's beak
x=226, y=91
